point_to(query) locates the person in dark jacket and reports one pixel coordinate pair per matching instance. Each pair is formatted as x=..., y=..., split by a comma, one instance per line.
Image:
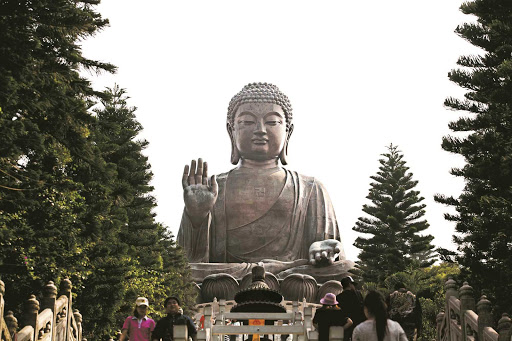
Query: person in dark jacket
x=329, y=315
x=351, y=302
x=405, y=308
x=164, y=329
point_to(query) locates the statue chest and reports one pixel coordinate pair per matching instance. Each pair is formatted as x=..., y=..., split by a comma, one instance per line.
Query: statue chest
x=250, y=196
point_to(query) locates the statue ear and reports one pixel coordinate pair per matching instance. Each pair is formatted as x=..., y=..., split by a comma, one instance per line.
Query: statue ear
x=235, y=156
x=284, y=153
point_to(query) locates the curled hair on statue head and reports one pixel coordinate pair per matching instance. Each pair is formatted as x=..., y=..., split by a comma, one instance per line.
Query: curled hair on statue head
x=377, y=308
x=260, y=93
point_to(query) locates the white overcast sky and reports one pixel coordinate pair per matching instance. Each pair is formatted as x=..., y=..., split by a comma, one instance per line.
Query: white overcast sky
x=359, y=74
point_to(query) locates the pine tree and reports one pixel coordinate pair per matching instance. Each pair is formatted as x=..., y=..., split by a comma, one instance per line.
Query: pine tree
x=44, y=125
x=137, y=257
x=394, y=222
x=74, y=187
x=484, y=209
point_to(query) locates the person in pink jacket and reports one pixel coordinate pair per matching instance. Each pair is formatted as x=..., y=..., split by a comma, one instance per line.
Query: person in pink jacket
x=139, y=326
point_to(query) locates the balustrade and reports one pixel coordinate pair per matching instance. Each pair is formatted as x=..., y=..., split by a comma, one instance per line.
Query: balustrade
x=297, y=322
x=463, y=320
x=44, y=320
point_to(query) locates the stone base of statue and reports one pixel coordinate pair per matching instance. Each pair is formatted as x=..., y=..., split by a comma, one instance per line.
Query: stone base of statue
x=295, y=280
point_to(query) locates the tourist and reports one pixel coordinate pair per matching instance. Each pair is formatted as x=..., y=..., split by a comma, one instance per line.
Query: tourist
x=139, y=326
x=405, y=309
x=378, y=327
x=329, y=315
x=164, y=330
x=351, y=302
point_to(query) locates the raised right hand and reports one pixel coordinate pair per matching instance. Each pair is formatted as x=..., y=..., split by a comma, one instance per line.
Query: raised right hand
x=199, y=194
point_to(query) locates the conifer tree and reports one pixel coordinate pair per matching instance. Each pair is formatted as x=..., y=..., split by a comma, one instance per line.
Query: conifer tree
x=484, y=209
x=137, y=257
x=395, y=222
x=44, y=125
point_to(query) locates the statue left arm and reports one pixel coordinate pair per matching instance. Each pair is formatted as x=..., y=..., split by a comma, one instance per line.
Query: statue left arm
x=322, y=228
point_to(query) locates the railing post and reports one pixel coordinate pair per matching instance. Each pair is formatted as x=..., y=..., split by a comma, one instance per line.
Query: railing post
x=48, y=301
x=504, y=328
x=49, y=296
x=336, y=333
x=30, y=312
x=451, y=291
x=2, y=305
x=78, y=320
x=439, y=323
x=12, y=323
x=205, y=333
x=180, y=333
x=219, y=319
x=467, y=302
x=208, y=317
x=308, y=318
x=222, y=310
x=296, y=318
x=483, y=310
x=65, y=289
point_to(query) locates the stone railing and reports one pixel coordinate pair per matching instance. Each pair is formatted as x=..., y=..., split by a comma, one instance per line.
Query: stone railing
x=297, y=322
x=463, y=320
x=46, y=320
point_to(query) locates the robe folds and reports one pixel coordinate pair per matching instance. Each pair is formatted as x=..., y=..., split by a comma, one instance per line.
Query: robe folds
x=302, y=214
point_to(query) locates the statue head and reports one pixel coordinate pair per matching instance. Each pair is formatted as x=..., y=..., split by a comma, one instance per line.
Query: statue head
x=258, y=97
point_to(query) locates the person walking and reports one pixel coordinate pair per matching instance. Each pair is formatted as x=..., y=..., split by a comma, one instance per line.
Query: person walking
x=377, y=327
x=139, y=326
x=329, y=315
x=351, y=302
x=405, y=309
x=164, y=330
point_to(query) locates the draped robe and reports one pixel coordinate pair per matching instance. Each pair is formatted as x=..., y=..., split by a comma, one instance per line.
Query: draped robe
x=302, y=214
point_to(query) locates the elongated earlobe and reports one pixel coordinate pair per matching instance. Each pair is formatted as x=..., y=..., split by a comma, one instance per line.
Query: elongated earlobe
x=284, y=153
x=235, y=156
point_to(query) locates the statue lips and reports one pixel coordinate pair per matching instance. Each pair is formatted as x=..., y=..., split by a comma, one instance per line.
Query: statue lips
x=259, y=141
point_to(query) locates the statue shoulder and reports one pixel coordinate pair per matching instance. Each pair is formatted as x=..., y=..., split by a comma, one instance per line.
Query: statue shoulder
x=304, y=179
x=221, y=178
x=310, y=182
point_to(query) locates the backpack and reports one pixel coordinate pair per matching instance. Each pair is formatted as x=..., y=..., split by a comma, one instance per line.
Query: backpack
x=402, y=305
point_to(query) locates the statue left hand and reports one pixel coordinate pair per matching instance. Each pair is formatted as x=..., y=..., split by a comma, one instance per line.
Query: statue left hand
x=324, y=251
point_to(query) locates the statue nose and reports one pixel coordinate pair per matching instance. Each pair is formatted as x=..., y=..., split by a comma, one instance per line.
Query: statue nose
x=260, y=128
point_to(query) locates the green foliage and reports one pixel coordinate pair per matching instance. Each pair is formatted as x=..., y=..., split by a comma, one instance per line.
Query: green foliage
x=428, y=286
x=74, y=186
x=44, y=126
x=394, y=223
x=484, y=209
x=136, y=257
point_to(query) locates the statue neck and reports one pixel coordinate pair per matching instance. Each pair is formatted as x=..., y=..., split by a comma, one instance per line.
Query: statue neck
x=259, y=164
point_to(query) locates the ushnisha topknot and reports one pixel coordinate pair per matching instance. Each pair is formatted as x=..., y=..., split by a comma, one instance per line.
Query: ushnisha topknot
x=263, y=93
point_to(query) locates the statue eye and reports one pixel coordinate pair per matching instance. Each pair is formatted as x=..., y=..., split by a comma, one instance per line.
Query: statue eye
x=273, y=122
x=245, y=122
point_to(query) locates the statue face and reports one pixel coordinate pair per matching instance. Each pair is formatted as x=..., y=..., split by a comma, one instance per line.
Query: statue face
x=259, y=131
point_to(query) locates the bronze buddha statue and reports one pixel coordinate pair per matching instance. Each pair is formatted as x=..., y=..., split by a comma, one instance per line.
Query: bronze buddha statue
x=259, y=212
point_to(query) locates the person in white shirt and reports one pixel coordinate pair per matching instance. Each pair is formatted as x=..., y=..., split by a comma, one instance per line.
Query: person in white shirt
x=378, y=327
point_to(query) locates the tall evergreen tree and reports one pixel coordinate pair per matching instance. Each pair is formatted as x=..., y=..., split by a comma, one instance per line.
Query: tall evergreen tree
x=394, y=222
x=484, y=209
x=44, y=125
x=136, y=257
x=74, y=187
